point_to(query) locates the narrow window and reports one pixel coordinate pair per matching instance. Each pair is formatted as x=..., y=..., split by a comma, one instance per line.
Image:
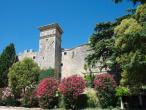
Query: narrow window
x=33, y=57
x=65, y=53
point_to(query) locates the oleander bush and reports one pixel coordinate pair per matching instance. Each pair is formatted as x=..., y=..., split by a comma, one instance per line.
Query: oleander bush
x=46, y=92
x=105, y=86
x=71, y=88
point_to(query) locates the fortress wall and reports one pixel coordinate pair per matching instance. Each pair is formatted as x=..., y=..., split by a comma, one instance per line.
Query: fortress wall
x=73, y=60
x=27, y=54
x=70, y=61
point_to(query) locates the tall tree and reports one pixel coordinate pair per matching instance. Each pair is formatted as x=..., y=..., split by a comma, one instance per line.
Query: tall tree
x=7, y=58
x=130, y=37
x=100, y=43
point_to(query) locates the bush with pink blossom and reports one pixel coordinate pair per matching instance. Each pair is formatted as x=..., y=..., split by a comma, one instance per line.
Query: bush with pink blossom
x=71, y=88
x=46, y=92
x=8, y=97
x=105, y=86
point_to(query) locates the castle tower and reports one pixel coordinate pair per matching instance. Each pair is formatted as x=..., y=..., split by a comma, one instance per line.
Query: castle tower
x=50, y=48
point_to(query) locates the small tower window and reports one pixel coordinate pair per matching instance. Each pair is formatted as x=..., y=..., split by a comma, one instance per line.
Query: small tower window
x=61, y=64
x=33, y=57
x=65, y=53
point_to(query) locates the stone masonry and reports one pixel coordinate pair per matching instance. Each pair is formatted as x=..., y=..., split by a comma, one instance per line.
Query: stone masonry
x=66, y=62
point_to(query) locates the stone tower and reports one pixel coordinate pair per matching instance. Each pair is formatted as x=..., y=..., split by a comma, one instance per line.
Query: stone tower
x=49, y=54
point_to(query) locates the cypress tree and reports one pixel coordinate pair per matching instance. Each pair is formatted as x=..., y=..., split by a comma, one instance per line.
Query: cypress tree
x=7, y=58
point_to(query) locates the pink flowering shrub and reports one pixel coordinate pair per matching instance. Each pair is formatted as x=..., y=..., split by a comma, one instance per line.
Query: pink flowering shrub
x=105, y=86
x=71, y=88
x=46, y=92
x=7, y=93
x=8, y=97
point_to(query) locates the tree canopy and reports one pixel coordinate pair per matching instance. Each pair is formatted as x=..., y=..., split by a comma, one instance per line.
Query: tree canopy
x=100, y=42
x=23, y=74
x=123, y=44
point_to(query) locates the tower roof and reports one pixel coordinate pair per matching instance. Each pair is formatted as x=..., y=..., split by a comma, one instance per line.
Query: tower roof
x=50, y=26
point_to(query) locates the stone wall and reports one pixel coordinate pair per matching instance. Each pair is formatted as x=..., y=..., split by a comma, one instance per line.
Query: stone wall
x=73, y=60
x=65, y=61
x=27, y=54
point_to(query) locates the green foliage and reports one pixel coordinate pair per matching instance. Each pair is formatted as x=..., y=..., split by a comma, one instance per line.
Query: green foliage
x=7, y=58
x=28, y=99
x=88, y=76
x=123, y=44
x=127, y=26
x=130, y=42
x=22, y=75
x=10, y=102
x=133, y=1
x=46, y=73
x=141, y=13
x=122, y=91
x=89, y=80
x=92, y=100
x=61, y=102
x=132, y=50
x=46, y=102
x=100, y=43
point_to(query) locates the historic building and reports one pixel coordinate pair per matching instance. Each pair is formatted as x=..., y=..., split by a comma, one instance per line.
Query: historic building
x=66, y=62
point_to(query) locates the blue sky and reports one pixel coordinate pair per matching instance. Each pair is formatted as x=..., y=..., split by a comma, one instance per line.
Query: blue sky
x=20, y=19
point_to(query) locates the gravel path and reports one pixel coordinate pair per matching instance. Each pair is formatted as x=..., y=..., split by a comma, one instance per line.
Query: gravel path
x=17, y=108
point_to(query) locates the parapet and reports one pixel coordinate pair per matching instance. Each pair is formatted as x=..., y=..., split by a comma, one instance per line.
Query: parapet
x=27, y=51
x=51, y=26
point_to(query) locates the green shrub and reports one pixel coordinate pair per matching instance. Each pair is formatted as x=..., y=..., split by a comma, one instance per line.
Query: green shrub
x=93, y=100
x=89, y=80
x=82, y=101
x=61, y=102
x=46, y=73
x=122, y=91
x=47, y=103
x=22, y=75
x=29, y=100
